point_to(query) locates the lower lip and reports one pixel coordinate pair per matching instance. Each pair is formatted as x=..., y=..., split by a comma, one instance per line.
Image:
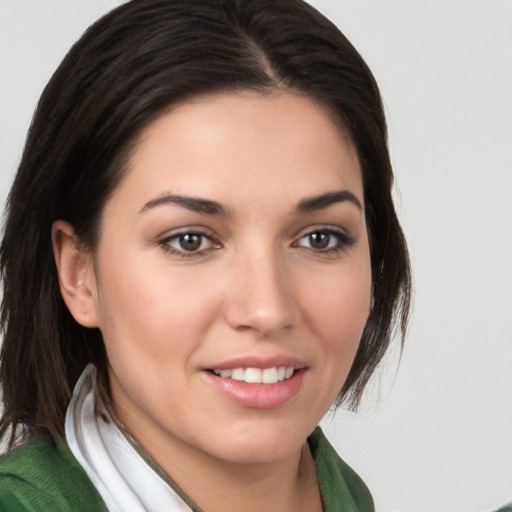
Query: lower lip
x=258, y=396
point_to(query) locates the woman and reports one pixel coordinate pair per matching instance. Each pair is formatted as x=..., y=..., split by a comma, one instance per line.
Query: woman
x=209, y=258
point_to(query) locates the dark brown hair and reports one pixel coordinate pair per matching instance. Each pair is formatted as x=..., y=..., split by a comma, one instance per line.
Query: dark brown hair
x=125, y=70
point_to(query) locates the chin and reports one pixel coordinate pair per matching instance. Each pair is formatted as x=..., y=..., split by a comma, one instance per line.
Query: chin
x=263, y=443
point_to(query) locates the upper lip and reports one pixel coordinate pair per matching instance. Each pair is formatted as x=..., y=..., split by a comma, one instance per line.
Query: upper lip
x=259, y=362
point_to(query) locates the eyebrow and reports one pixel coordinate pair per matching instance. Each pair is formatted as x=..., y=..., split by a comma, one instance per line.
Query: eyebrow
x=311, y=204
x=197, y=204
x=194, y=204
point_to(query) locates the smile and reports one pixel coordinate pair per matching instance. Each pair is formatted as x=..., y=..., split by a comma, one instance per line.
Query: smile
x=254, y=383
x=271, y=375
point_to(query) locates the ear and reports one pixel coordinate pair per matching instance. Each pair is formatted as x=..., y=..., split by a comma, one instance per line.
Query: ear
x=77, y=279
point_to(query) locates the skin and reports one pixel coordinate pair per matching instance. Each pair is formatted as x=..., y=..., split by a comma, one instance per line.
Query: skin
x=257, y=287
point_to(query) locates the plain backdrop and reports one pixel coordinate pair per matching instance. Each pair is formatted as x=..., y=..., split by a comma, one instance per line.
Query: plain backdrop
x=436, y=434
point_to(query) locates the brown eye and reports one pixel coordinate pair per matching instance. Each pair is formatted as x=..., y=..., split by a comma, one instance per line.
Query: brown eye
x=325, y=240
x=319, y=240
x=190, y=241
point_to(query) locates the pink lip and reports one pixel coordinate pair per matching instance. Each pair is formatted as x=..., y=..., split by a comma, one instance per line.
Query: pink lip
x=259, y=362
x=258, y=396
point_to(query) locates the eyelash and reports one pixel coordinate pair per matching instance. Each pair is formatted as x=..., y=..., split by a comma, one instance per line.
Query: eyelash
x=167, y=247
x=343, y=241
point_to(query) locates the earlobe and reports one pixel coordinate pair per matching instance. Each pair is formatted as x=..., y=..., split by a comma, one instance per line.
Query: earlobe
x=76, y=274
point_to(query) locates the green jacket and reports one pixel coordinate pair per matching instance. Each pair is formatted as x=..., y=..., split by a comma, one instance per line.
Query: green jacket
x=44, y=476
x=506, y=508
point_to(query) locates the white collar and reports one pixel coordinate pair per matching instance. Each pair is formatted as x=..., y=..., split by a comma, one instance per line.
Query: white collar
x=122, y=477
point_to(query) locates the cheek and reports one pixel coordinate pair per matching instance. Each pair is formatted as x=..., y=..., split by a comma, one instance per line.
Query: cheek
x=150, y=310
x=339, y=306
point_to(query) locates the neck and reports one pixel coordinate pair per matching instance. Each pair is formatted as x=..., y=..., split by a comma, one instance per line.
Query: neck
x=288, y=485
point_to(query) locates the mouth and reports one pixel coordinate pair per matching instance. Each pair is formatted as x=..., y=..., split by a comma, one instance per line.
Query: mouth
x=260, y=383
x=271, y=375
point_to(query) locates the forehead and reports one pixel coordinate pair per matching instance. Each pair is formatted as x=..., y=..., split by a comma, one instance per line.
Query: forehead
x=236, y=145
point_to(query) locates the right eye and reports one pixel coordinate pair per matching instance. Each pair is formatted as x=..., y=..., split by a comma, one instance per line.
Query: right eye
x=188, y=243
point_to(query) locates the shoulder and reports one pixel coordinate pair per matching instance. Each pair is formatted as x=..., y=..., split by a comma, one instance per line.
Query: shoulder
x=44, y=475
x=339, y=483
x=506, y=508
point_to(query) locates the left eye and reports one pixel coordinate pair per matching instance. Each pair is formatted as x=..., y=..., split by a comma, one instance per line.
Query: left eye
x=323, y=240
x=188, y=243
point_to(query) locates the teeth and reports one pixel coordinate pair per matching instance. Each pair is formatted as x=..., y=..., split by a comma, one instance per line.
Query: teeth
x=252, y=375
x=238, y=374
x=269, y=376
x=257, y=375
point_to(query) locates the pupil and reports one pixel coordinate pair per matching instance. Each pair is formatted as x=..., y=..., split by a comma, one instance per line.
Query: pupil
x=190, y=242
x=319, y=240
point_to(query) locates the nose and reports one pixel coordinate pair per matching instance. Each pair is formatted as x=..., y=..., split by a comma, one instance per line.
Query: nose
x=261, y=297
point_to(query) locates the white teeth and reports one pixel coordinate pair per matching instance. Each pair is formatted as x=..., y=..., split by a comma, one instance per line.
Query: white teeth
x=269, y=376
x=238, y=374
x=252, y=375
x=257, y=375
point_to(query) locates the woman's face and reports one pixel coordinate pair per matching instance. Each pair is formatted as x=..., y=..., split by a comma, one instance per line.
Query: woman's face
x=234, y=251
